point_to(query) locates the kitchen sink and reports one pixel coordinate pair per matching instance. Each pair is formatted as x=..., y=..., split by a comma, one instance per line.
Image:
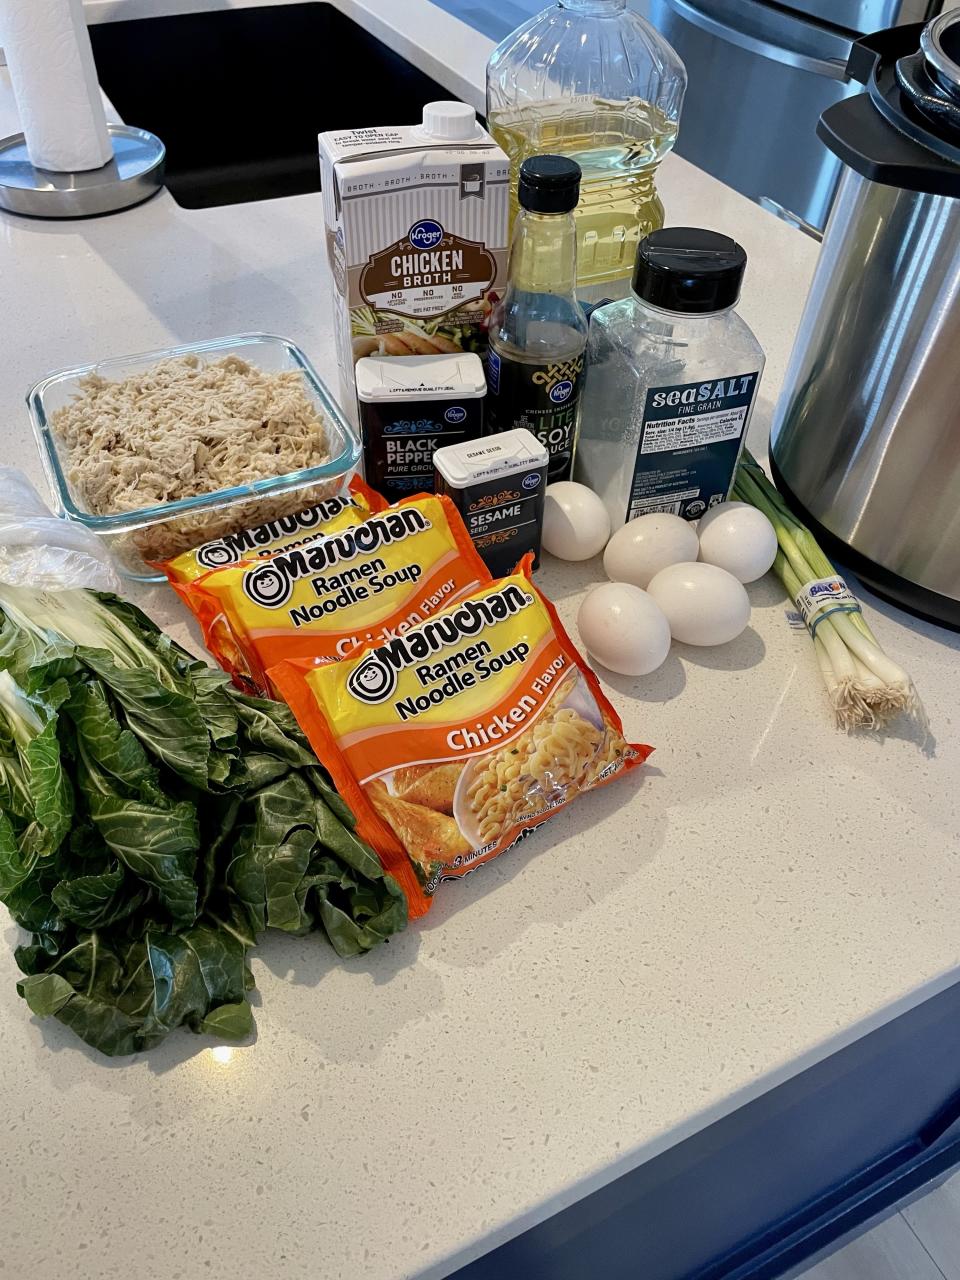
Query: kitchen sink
x=239, y=95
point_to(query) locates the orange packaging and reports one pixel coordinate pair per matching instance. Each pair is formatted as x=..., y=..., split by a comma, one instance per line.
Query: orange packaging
x=363, y=584
x=454, y=740
x=282, y=534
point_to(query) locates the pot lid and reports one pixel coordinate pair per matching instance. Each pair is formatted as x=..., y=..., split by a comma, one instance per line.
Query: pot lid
x=905, y=130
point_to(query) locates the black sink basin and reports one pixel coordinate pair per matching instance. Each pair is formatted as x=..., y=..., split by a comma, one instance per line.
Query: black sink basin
x=239, y=95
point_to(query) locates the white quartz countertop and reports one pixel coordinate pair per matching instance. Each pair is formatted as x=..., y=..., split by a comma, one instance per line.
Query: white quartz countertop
x=764, y=892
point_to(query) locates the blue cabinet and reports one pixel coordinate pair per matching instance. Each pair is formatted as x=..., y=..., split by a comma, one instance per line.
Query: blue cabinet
x=766, y=1188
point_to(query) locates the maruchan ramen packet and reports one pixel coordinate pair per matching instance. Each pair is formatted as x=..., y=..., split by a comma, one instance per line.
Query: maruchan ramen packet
x=455, y=739
x=282, y=534
x=364, y=584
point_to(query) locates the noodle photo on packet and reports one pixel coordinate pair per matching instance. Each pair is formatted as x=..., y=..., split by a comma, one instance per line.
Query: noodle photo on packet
x=453, y=740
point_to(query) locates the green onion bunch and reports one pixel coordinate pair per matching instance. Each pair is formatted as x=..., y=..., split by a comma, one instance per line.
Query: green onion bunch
x=867, y=690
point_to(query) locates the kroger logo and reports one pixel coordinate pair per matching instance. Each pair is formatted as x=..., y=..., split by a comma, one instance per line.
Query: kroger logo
x=455, y=413
x=425, y=234
x=561, y=391
x=531, y=481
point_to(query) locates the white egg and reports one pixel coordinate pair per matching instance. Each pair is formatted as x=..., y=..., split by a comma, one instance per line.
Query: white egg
x=648, y=544
x=623, y=628
x=575, y=521
x=739, y=538
x=704, y=605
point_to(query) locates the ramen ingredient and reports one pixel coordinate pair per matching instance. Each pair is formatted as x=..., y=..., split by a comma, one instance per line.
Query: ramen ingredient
x=575, y=522
x=416, y=229
x=318, y=601
x=739, y=538
x=154, y=822
x=457, y=737
x=186, y=427
x=264, y=540
x=499, y=487
x=867, y=690
x=624, y=628
x=642, y=547
x=704, y=605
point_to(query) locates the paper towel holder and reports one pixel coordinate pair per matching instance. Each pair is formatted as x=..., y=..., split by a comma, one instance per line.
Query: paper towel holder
x=133, y=175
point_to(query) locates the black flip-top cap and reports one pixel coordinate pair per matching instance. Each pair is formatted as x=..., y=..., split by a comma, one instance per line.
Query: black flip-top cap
x=549, y=184
x=687, y=269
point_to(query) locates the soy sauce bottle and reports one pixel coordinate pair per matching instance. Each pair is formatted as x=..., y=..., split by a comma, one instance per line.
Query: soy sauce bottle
x=538, y=333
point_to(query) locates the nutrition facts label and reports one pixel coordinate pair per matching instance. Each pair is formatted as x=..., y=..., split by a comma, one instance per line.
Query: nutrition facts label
x=684, y=433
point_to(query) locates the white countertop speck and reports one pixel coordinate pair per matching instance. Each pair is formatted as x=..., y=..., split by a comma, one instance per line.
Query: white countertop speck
x=764, y=892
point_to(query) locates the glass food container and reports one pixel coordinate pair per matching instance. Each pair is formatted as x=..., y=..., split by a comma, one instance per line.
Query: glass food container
x=151, y=533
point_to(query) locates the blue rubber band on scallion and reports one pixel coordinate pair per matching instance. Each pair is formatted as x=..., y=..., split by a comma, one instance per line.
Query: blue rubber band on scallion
x=838, y=608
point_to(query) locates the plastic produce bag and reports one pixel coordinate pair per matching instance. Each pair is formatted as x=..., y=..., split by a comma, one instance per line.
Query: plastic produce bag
x=43, y=551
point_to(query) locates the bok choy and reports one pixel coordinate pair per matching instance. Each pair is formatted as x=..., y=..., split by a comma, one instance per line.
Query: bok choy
x=153, y=822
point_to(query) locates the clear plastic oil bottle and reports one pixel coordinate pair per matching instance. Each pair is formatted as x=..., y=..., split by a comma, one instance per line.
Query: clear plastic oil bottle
x=591, y=80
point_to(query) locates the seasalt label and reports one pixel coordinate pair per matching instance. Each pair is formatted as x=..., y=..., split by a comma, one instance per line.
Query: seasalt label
x=690, y=439
x=367, y=583
x=544, y=398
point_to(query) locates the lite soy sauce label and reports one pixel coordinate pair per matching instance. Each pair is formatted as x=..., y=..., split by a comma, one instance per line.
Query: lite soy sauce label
x=544, y=398
x=690, y=441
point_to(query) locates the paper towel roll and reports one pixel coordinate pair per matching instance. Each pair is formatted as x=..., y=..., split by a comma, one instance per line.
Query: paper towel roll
x=55, y=84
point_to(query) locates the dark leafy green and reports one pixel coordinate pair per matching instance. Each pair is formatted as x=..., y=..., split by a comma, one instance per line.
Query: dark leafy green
x=153, y=821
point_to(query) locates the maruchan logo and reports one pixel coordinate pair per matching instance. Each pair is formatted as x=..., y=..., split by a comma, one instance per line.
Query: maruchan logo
x=455, y=414
x=372, y=681
x=425, y=234
x=562, y=391
x=268, y=585
x=216, y=555
x=271, y=583
x=531, y=481
x=374, y=678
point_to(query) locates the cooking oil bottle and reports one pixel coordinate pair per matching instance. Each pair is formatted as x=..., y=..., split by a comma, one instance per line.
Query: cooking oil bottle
x=590, y=79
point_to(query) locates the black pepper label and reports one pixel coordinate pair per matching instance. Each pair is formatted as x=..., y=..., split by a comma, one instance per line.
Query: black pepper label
x=399, y=441
x=543, y=398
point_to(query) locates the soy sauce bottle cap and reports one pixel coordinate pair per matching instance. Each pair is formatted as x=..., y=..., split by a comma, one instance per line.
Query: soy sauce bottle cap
x=549, y=184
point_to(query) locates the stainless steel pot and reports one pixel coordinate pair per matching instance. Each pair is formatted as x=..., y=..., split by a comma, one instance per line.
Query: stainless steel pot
x=866, y=437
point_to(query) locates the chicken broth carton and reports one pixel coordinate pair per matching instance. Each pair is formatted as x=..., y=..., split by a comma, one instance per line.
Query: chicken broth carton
x=416, y=230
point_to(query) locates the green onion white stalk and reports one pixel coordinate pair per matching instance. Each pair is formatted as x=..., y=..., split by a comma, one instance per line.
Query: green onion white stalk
x=866, y=688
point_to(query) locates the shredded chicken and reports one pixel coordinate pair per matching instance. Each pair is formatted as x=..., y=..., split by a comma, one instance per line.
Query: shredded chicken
x=185, y=428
